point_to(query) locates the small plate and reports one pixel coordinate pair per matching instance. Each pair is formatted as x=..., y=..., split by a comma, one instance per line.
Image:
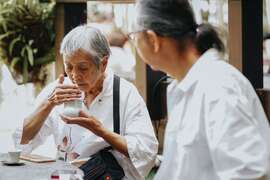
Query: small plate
x=13, y=163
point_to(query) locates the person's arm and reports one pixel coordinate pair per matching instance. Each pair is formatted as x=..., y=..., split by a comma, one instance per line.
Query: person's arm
x=138, y=141
x=34, y=122
x=89, y=122
x=117, y=141
x=237, y=148
x=60, y=94
x=139, y=134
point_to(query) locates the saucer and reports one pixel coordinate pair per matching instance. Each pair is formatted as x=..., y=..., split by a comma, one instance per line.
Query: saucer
x=7, y=163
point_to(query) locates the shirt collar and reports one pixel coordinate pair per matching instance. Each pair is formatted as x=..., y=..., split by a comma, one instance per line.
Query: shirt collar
x=107, y=89
x=197, y=69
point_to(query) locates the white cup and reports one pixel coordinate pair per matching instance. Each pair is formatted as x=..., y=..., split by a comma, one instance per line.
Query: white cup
x=14, y=156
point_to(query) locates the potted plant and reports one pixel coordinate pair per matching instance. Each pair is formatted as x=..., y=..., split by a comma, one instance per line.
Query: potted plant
x=27, y=39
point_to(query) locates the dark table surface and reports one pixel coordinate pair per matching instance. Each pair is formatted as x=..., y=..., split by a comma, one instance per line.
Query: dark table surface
x=32, y=171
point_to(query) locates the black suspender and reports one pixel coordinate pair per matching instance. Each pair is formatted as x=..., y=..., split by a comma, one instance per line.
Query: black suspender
x=116, y=101
x=116, y=110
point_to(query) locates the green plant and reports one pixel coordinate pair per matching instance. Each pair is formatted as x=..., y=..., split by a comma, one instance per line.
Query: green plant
x=1, y=78
x=27, y=38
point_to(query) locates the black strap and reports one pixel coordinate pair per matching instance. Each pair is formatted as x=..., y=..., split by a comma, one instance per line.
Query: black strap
x=116, y=101
x=116, y=111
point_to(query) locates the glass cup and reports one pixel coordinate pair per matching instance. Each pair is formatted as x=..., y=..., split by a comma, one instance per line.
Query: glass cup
x=72, y=109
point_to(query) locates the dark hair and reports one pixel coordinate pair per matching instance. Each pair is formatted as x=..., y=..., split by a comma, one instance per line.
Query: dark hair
x=175, y=19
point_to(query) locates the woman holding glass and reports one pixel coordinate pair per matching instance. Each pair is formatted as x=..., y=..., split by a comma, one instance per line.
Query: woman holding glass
x=85, y=52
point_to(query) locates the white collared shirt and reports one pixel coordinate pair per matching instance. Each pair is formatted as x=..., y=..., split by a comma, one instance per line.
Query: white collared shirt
x=217, y=129
x=135, y=127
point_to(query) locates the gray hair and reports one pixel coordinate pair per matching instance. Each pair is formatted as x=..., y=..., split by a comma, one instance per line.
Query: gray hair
x=88, y=39
x=175, y=19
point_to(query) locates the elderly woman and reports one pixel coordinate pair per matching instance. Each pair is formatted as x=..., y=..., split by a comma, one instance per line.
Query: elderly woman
x=86, y=51
x=217, y=129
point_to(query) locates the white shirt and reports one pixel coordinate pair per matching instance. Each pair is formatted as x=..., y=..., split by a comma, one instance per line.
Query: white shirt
x=217, y=129
x=135, y=127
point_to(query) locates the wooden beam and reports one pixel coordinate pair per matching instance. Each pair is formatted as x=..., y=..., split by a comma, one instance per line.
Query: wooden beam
x=68, y=16
x=245, y=38
x=75, y=15
x=60, y=32
x=235, y=33
x=252, y=39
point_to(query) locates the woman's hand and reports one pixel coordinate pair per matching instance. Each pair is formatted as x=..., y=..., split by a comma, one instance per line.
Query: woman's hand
x=86, y=121
x=33, y=123
x=117, y=141
x=64, y=93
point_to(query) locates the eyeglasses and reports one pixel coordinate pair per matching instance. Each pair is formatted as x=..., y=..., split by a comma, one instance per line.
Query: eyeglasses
x=131, y=36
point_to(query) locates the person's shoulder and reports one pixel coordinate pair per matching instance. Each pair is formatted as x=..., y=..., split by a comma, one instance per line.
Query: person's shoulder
x=128, y=89
x=222, y=78
x=126, y=85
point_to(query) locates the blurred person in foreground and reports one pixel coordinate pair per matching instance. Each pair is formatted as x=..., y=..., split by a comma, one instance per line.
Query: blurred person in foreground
x=217, y=128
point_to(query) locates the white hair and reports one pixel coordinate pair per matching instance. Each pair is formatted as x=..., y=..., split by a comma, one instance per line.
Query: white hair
x=88, y=39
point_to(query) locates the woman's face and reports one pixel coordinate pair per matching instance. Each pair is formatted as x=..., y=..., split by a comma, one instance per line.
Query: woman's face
x=82, y=71
x=143, y=48
x=148, y=48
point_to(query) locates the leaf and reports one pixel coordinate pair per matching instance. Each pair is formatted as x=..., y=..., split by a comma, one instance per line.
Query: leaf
x=35, y=50
x=30, y=55
x=13, y=2
x=4, y=24
x=23, y=51
x=3, y=36
x=14, y=22
x=12, y=44
x=44, y=60
x=22, y=10
x=5, y=11
x=3, y=44
x=17, y=18
x=25, y=71
x=31, y=42
x=14, y=61
x=48, y=58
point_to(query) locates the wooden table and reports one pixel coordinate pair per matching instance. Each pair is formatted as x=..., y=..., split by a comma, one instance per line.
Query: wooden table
x=32, y=171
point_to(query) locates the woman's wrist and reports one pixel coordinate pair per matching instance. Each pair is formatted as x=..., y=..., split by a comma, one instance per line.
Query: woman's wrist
x=103, y=132
x=115, y=140
x=49, y=104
